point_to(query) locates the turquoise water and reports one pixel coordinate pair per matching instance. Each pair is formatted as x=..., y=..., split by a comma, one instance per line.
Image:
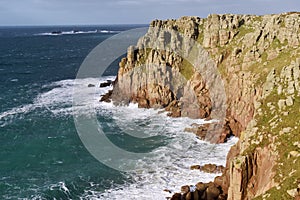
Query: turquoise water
x=41, y=154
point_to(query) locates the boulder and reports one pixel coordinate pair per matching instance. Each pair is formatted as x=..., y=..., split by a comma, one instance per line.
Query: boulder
x=106, y=97
x=193, y=167
x=185, y=189
x=176, y=196
x=212, y=168
x=212, y=192
x=192, y=196
x=106, y=84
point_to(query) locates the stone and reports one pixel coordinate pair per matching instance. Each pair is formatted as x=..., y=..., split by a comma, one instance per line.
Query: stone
x=292, y=192
x=289, y=101
x=106, y=84
x=91, y=85
x=169, y=191
x=201, y=186
x=281, y=104
x=287, y=130
x=193, y=167
x=176, y=196
x=212, y=192
x=143, y=103
x=106, y=97
x=185, y=189
x=212, y=168
x=294, y=154
x=192, y=196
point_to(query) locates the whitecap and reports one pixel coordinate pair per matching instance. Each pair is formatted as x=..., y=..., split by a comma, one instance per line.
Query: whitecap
x=58, y=99
x=75, y=32
x=169, y=168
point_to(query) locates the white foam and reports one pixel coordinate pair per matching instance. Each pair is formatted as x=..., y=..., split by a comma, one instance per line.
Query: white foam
x=59, y=99
x=169, y=168
x=75, y=32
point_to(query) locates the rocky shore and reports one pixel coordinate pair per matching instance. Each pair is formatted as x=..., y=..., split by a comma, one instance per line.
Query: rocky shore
x=258, y=59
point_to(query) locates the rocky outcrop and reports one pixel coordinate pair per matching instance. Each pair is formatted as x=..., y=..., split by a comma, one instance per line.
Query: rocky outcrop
x=201, y=191
x=257, y=57
x=209, y=168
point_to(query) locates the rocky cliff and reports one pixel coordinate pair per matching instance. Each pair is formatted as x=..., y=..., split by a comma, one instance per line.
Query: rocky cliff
x=254, y=92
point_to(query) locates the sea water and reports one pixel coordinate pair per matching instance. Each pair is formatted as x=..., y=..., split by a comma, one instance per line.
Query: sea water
x=41, y=154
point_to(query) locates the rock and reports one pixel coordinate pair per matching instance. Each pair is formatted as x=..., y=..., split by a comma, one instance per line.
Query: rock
x=289, y=101
x=174, y=109
x=212, y=192
x=222, y=197
x=56, y=32
x=192, y=196
x=185, y=189
x=143, y=103
x=106, y=84
x=212, y=168
x=294, y=154
x=292, y=192
x=201, y=186
x=169, y=191
x=281, y=104
x=176, y=196
x=193, y=167
x=130, y=54
x=258, y=57
x=91, y=85
x=106, y=97
x=287, y=130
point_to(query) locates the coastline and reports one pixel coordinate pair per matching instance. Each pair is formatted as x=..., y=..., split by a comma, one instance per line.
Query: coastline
x=239, y=46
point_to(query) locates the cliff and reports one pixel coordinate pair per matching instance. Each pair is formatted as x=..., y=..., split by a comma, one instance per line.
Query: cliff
x=241, y=69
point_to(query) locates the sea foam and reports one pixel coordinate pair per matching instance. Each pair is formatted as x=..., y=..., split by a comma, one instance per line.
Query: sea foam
x=168, y=168
x=57, y=33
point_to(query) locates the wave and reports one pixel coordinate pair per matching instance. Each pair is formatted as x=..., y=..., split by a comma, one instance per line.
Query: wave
x=58, y=99
x=169, y=168
x=75, y=32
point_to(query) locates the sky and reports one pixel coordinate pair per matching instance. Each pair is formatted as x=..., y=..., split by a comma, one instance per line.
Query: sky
x=92, y=12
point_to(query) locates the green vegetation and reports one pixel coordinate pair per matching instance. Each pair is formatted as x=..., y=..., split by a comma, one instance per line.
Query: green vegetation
x=144, y=53
x=186, y=69
x=200, y=37
x=284, y=144
x=243, y=30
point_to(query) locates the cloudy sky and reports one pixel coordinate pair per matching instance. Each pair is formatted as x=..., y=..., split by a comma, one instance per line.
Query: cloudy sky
x=64, y=12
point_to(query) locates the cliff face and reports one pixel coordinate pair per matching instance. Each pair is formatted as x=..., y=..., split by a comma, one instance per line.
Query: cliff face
x=258, y=59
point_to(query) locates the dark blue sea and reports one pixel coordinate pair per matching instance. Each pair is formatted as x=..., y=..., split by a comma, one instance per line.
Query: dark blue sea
x=41, y=154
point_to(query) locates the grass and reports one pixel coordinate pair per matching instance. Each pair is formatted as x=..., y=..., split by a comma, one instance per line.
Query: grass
x=200, y=37
x=261, y=68
x=284, y=142
x=284, y=145
x=243, y=30
x=186, y=69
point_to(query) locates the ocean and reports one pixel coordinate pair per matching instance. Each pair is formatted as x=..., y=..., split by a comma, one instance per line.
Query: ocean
x=41, y=154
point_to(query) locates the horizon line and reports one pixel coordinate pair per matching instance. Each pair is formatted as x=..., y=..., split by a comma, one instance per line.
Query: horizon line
x=57, y=25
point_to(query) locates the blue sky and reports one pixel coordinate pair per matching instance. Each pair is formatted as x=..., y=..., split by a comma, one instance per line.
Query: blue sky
x=70, y=12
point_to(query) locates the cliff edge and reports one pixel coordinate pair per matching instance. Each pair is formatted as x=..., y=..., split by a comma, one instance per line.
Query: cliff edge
x=258, y=60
